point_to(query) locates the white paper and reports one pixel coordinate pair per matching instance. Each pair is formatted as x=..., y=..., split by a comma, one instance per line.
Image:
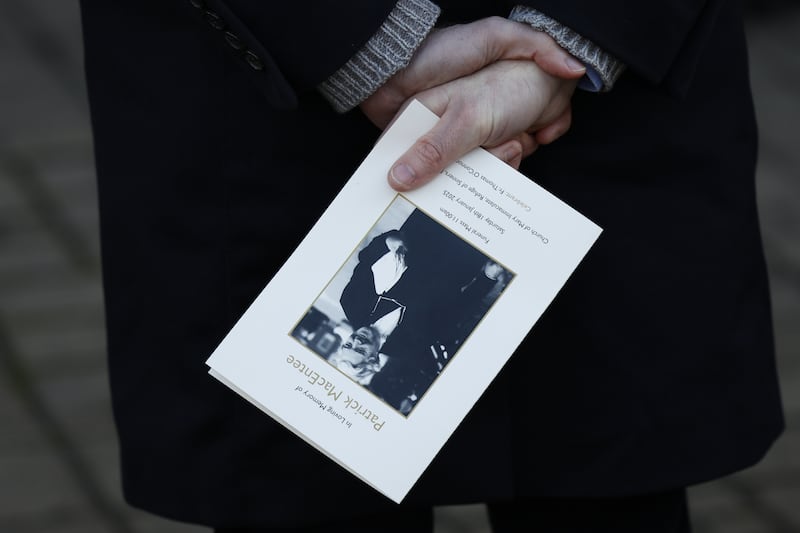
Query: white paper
x=479, y=202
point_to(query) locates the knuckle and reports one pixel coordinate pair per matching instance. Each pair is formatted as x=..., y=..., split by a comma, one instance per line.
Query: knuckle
x=491, y=33
x=431, y=152
x=495, y=23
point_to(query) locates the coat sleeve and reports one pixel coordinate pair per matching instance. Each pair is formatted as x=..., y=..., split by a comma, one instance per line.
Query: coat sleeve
x=310, y=40
x=288, y=46
x=659, y=41
x=358, y=296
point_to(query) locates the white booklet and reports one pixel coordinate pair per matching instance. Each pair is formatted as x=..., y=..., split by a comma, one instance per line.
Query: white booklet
x=396, y=311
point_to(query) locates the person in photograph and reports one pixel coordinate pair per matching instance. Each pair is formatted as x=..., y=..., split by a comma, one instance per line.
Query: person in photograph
x=423, y=289
x=374, y=295
x=476, y=297
x=410, y=283
x=405, y=380
x=393, y=292
x=358, y=357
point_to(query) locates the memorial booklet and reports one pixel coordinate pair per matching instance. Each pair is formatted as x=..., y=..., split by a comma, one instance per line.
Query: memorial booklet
x=396, y=311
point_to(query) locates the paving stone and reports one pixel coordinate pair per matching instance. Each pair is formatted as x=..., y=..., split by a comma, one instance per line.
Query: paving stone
x=717, y=508
x=27, y=274
x=36, y=483
x=65, y=176
x=82, y=405
x=89, y=525
x=50, y=29
x=785, y=455
x=64, y=353
x=10, y=198
x=775, y=69
x=17, y=216
x=78, y=306
x=21, y=433
x=58, y=520
x=34, y=270
x=786, y=501
x=70, y=179
x=709, y=498
x=27, y=254
x=25, y=122
x=61, y=204
x=29, y=84
x=790, y=392
x=735, y=522
x=59, y=296
x=781, y=230
x=102, y=457
x=59, y=19
x=147, y=523
x=461, y=519
x=776, y=103
x=57, y=324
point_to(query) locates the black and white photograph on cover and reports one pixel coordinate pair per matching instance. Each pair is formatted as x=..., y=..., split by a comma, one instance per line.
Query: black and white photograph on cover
x=402, y=305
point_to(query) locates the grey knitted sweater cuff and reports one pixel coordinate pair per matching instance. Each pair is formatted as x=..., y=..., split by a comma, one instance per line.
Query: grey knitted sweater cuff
x=388, y=51
x=604, y=64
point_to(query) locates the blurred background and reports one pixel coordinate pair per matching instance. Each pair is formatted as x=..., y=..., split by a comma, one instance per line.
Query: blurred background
x=58, y=456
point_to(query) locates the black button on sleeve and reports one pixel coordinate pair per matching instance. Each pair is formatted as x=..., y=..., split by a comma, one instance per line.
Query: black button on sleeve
x=254, y=61
x=214, y=20
x=233, y=40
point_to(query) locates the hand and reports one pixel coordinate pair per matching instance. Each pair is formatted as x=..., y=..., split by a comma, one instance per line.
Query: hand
x=456, y=51
x=508, y=107
x=492, y=270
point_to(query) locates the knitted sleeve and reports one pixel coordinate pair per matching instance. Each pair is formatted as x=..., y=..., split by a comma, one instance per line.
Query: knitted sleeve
x=388, y=51
x=598, y=62
x=392, y=47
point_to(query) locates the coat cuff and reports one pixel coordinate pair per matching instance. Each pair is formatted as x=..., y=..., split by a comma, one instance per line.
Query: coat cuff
x=388, y=51
x=605, y=66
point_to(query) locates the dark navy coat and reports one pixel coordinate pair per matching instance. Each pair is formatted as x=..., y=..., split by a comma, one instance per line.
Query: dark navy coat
x=653, y=368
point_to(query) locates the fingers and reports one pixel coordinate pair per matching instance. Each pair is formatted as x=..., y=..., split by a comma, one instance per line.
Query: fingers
x=555, y=60
x=460, y=50
x=429, y=156
x=514, y=151
x=494, y=107
x=457, y=51
x=455, y=134
x=507, y=39
x=555, y=129
x=426, y=158
x=439, y=148
x=509, y=152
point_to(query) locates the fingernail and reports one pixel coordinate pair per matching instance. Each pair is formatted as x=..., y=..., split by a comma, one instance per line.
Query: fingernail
x=403, y=175
x=574, y=65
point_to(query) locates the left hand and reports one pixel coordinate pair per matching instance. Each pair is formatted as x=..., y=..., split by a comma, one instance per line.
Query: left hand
x=509, y=107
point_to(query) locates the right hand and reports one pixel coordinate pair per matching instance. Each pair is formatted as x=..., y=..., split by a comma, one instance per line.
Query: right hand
x=507, y=106
x=457, y=51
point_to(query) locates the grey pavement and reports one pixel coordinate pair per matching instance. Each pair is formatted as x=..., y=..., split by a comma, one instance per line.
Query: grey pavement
x=58, y=450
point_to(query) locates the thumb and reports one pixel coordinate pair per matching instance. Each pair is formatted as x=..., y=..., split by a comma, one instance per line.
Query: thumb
x=443, y=144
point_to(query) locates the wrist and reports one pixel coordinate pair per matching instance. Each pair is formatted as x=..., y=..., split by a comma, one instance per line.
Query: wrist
x=602, y=68
x=388, y=51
